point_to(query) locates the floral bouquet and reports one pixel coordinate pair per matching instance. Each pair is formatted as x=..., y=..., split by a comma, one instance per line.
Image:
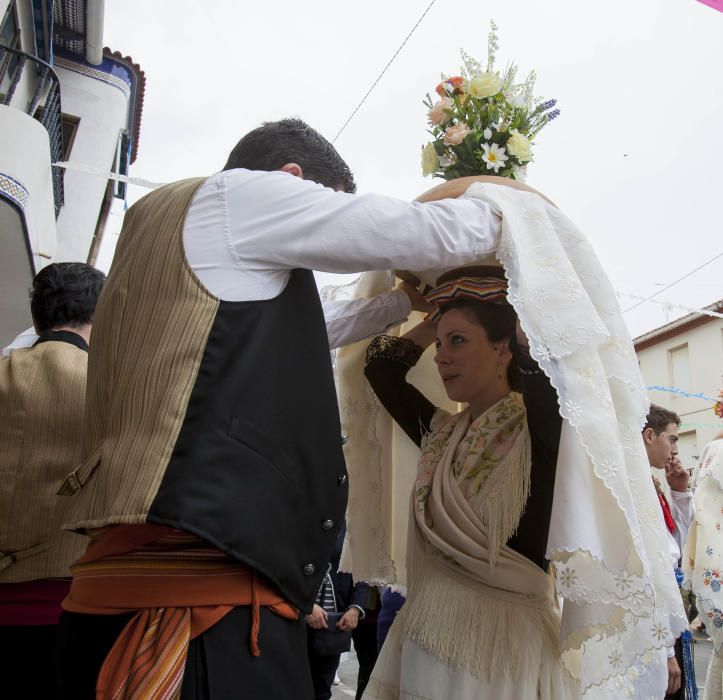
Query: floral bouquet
x=484, y=123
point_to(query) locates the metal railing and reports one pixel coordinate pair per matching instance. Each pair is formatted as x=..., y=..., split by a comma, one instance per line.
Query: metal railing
x=45, y=100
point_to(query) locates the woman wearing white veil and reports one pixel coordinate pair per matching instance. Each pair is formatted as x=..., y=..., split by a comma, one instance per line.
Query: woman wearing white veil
x=466, y=630
x=621, y=607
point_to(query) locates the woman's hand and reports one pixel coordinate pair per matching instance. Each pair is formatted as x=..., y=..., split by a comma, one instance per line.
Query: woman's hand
x=317, y=619
x=419, y=303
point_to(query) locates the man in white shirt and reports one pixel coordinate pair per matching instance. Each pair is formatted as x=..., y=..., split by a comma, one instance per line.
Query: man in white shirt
x=211, y=346
x=660, y=436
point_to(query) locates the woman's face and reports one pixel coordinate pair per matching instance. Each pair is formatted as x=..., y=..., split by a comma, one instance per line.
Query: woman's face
x=472, y=368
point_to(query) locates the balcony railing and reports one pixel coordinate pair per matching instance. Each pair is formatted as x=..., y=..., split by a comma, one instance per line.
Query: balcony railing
x=43, y=104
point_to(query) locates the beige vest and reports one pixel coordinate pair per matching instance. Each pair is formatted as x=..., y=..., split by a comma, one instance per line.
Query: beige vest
x=42, y=393
x=147, y=348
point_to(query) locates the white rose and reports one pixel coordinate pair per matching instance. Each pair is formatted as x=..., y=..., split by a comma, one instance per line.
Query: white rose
x=485, y=85
x=439, y=114
x=519, y=146
x=430, y=160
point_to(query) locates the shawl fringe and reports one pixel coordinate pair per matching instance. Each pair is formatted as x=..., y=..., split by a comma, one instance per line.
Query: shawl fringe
x=445, y=617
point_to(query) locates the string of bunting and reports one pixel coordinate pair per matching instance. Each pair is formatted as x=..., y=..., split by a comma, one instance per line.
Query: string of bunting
x=680, y=392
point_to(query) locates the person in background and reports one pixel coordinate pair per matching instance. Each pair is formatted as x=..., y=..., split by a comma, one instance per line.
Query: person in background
x=660, y=436
x=337, y=594
x=42, y=400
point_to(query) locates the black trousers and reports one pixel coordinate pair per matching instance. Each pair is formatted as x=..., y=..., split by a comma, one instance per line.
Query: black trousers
x=365, y=645
x=29, y=661
x=219, y=665
x=323, y=669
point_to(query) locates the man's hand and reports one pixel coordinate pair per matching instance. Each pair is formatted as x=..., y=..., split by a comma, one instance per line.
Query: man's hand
x=676, y=475
x=673, y=676
x=419, y=303
x=317, y=619
x=349, y=620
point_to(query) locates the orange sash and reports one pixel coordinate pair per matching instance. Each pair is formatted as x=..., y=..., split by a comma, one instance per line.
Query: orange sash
x=179, y=586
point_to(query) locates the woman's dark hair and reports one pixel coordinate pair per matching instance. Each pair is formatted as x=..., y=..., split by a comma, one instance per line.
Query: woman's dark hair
x=65, y=294
x=274, y=144
x=498, y=321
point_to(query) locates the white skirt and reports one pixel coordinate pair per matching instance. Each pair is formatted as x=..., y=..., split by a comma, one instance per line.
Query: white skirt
x=405, y=672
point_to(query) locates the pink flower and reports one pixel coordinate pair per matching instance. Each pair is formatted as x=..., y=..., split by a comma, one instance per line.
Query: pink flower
x=454, y=135
x=439, y=113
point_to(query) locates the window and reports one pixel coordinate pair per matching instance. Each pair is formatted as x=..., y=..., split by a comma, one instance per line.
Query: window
x=679, y=363
x=70, y=128
x=10, y=37
x=688, y=452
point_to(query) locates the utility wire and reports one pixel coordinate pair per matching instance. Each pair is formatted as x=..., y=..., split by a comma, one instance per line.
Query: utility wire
x=384, y=70
x=672, y=284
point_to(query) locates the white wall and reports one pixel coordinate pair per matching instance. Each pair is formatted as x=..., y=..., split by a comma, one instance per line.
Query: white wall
x=102, y=109
x=25, y=157
x=705, y=349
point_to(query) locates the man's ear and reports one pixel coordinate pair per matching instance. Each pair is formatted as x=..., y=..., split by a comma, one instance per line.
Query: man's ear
x=292, y=169
x=648, y=435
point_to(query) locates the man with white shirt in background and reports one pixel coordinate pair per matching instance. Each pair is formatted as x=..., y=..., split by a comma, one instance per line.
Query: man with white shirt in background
x=212, y=451
x=660, y=436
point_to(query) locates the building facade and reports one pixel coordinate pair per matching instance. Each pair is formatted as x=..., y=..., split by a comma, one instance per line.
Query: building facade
x=686, y=355
x=63, y=99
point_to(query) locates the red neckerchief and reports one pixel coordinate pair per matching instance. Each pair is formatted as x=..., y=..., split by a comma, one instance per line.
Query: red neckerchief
x=667, y=515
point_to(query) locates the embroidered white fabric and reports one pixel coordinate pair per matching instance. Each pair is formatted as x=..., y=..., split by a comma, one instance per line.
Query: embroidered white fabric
x=621, y=603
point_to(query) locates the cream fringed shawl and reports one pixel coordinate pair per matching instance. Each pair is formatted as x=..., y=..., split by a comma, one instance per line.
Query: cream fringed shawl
x=621, y=605
x=471, y=489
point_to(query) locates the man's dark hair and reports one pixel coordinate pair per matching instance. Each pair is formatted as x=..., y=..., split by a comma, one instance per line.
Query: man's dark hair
x=660, y=418
x=65, y=294
x=274, y=144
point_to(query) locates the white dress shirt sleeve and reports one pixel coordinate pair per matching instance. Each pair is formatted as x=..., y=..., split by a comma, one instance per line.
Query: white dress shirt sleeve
x=352, y=320
x=278, y=221
x=245, y=230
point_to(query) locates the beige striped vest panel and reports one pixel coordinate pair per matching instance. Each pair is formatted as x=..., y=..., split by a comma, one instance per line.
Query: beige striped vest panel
x=147, y=348
x=42, y=396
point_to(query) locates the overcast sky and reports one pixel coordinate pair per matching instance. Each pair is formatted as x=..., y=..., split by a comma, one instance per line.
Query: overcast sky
x=634, y=158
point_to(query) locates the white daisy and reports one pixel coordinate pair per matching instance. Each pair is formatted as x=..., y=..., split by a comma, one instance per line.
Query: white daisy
x=494, y=156
x=487, y=133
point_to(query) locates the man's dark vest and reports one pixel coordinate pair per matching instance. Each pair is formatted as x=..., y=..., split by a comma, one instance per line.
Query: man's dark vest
x=251, y=459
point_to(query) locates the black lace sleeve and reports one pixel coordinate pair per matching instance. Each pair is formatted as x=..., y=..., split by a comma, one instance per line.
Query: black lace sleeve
x=544, y=423
x=388, y=361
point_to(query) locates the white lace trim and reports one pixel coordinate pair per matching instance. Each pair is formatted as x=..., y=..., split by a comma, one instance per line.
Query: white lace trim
x=622, y=605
